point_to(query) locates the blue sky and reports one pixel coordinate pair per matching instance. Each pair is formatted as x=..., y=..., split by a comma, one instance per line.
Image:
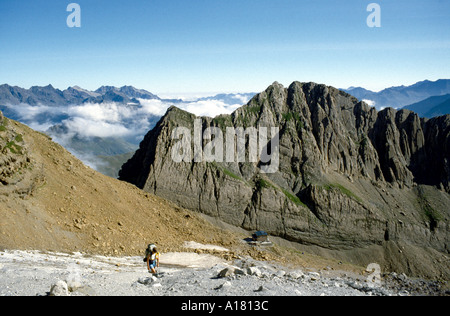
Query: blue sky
x=192, y=46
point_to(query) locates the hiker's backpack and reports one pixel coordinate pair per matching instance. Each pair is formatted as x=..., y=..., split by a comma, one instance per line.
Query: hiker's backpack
x=149, y=251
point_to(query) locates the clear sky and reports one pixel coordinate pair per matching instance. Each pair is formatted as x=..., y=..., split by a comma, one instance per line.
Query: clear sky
x=189, y=46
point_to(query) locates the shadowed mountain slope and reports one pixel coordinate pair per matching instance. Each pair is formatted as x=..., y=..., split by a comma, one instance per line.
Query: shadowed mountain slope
x=349, y=177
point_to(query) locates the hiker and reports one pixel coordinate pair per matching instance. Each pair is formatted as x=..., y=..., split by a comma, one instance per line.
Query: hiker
x=152, y=258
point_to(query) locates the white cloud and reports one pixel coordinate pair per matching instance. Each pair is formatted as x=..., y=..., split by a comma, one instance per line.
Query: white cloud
x=40, y=126
x=210, y=108
x=94, y=128
x=154, y=107
x=113, y=119
x=370, y=102
x=108, y=112
x=118, y=120
x=27, y=112
x=243, y=98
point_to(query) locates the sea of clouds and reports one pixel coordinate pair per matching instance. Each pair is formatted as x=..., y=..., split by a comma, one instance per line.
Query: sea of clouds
x=114, y=119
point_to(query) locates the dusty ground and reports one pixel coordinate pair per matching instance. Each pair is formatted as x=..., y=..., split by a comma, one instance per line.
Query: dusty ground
x=31, y=273
x=34, y=273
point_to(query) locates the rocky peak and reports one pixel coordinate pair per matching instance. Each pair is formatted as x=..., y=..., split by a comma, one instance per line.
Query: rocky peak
x=345, y=170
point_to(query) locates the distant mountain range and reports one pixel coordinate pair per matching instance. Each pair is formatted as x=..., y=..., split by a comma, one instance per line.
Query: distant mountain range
x=431, y=107
x=399, y=97
x=50, y=96
x=395, y=97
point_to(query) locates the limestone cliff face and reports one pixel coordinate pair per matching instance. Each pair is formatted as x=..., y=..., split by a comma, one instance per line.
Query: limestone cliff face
x=348, y=176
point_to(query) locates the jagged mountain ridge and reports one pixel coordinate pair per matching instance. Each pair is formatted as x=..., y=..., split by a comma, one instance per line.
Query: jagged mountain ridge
x=347, y=172
x=51, y=96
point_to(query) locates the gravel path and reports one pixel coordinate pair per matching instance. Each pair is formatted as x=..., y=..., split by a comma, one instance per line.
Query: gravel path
x=34, y=273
